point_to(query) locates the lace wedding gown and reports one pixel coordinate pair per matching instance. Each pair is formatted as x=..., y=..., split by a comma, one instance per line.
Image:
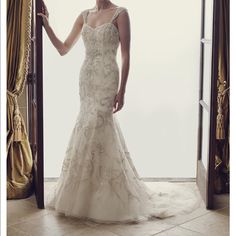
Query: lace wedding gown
x=98, y=180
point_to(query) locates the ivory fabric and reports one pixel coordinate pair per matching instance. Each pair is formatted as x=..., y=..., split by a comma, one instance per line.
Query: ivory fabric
x=98, y=180
x=19, y=157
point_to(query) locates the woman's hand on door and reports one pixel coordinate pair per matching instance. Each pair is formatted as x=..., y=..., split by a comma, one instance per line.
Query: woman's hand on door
x=62, y=47
x=44, y=15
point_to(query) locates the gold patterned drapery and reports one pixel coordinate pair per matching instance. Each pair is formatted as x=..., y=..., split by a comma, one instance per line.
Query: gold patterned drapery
x=19, y=157
x=222, y=120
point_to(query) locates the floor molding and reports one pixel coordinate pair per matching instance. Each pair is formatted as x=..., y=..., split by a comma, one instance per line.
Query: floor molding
x=153, y=179
x=146, y=179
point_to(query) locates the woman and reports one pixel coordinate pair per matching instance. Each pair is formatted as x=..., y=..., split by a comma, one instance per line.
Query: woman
x=98, y=180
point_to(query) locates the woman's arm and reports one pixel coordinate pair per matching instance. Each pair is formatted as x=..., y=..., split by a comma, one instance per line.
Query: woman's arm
x=123, y=23
x=62, y=47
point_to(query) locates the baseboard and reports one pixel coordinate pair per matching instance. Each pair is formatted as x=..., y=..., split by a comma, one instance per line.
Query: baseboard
x=51, y=179
x=146, y=179
x=153, y=179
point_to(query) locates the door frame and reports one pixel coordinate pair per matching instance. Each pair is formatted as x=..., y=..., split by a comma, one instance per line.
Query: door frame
x=35, y=103
x=206, y=177
x=39, y=92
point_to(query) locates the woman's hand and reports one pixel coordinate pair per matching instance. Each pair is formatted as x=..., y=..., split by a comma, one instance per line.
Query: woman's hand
x=44, y=15
x=62, y=47
x=118, y=101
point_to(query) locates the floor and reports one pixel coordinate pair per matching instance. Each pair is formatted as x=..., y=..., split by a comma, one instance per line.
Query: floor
x=24, y=219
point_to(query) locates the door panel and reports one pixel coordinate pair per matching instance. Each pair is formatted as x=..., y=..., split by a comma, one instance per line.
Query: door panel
x=205, y=137
x=208, y=24
x=207, y=72
x=39, y=104
x=35, y=108
x=208, y=100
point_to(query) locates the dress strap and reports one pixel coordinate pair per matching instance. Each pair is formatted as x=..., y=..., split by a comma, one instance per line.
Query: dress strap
x=85, y=14
x=117, y=12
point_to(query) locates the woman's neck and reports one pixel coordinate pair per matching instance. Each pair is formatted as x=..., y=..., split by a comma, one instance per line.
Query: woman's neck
x=102, y=4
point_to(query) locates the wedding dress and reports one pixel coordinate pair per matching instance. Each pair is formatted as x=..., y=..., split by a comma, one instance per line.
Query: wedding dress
x=98, y=180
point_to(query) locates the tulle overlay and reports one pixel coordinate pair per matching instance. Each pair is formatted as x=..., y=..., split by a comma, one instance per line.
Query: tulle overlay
x=98, y=180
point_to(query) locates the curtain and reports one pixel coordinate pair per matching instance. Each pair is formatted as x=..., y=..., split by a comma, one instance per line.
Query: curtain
x=222, y=119
x=19, y=157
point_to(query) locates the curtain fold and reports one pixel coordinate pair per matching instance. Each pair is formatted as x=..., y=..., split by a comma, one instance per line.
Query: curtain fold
x=19, y=157
x=222, y=119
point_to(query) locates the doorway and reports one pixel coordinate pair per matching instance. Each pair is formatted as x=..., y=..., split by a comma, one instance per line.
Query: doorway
x=160, y=116
x=168, y=113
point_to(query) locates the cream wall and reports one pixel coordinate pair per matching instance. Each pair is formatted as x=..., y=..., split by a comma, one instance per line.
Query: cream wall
x=159, y=119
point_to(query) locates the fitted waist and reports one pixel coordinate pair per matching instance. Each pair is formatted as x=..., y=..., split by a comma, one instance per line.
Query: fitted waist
x=109, y=54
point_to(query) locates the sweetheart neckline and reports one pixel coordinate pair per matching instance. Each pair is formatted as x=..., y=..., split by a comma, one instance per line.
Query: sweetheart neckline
x=107, y=23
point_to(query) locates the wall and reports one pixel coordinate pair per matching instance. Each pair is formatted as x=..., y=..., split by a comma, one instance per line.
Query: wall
x=159, y=119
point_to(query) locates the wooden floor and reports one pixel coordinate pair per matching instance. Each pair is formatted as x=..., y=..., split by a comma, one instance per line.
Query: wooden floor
x=24, y=219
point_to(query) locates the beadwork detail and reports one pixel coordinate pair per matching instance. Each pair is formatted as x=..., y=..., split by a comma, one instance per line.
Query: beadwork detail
x=98, y=179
